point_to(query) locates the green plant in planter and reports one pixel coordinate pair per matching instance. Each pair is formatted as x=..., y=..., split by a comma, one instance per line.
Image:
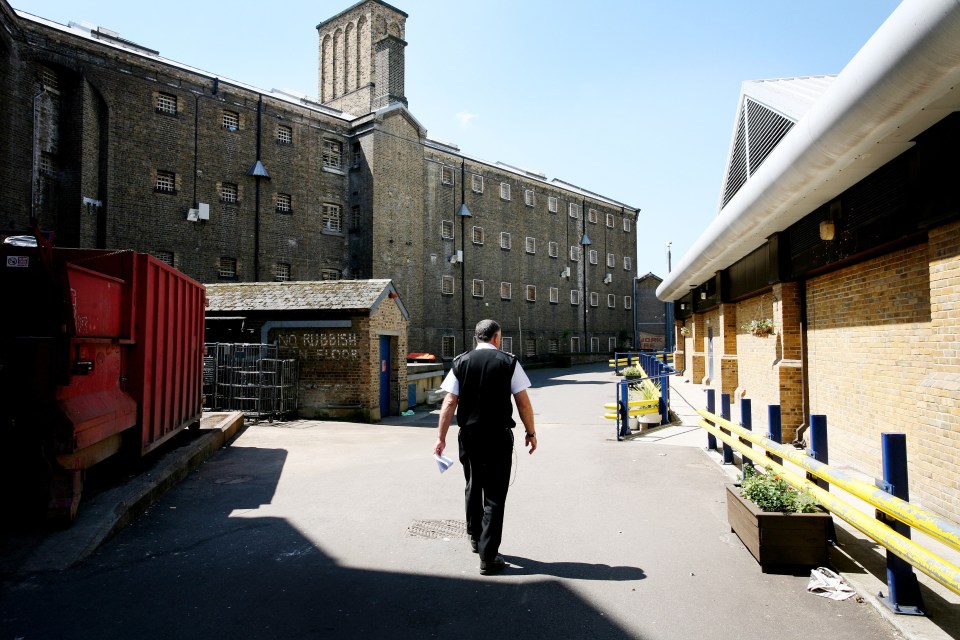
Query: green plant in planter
x=770, y=492
x=760, y=327
x=632, y=372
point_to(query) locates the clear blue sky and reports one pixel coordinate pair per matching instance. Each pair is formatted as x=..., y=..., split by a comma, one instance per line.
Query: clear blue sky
x=633, y=99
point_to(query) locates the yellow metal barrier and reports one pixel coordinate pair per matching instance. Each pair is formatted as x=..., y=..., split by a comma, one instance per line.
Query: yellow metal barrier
x=634, y=408
x=937, y=568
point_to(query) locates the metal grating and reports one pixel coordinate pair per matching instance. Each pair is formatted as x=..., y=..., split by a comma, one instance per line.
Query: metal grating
x=436, y=529
x=759, y=131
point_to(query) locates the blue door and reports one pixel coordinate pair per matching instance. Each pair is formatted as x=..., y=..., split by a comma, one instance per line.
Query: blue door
x=384, y=376
x=710, y=353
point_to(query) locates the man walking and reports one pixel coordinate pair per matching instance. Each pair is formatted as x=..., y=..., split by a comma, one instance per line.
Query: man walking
x=479, y=387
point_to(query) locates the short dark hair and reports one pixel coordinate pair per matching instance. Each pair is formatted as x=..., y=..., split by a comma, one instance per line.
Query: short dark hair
x=486, y=329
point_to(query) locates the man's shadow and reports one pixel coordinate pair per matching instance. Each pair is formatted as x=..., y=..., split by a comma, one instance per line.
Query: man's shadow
x=572, y=570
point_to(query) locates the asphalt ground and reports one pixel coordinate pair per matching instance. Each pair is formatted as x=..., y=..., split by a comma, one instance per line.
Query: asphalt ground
x=339, y=530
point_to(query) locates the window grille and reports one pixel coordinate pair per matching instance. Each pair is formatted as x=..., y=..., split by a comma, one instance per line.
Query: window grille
x=554, y=295
x=284, y=134
x=553, y=346
x=594, y=299
x=553, y=249
x=284, y=203
x=611, y=301
x=575, y=253
x=227, y=267
x=478, y=235
x=477, y=184
x=357, y=154
x=446, y=285
x=166, y=181
x=611, y=344
x=448, y=347
x=506, y=291
x=531, y=245
x=446, y=175
x=627, y=302
x=552, y=205
x=574, y=297
x=330, y=274
x=505, y=190
x=228, y=193
x=332, y=154
x=230, y=120
x=446, y=229
x=574, y=210
x=528, y=198
x=610, y=220
x=478, y=288
x=592, y=216
x=627, y=225
x=49, y=79
x=166, y=257
x=530, y=347
x=593, y=256
x=611, y=260
x=627, y=263
x=281, y=272
x=575, y=344
x=504, y=240
x=332, y=218
x=594, y=345
x=167, y=103
x=531, y=293
x=506, y=344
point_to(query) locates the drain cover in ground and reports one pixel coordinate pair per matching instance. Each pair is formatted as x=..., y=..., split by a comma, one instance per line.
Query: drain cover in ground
x=437, y=529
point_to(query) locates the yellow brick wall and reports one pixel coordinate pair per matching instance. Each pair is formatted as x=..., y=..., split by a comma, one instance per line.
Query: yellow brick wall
x=757, y=377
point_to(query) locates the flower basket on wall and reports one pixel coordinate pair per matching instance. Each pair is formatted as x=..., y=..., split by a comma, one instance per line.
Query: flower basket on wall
x=760, y=328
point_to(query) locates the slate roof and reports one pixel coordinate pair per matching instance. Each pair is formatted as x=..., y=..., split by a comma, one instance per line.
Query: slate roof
x=325, y=295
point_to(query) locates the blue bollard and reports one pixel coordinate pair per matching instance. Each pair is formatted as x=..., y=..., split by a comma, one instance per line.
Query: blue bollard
x=818, y=447
x=903, y=590
x=711, y=408
x=725, y=414
x=746, y=421
x=623, y=415
x=774, y=429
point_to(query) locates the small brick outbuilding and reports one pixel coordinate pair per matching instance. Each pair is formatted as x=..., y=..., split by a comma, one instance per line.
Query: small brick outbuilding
x=349, y=338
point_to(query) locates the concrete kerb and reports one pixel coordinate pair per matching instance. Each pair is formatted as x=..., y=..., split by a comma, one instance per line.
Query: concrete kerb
x=109, y=512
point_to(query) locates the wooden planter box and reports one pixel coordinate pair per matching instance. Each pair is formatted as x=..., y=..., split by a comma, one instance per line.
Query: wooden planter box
x=779, y=540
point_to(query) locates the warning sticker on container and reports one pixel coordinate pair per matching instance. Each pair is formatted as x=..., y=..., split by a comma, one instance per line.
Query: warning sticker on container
x=18, y=261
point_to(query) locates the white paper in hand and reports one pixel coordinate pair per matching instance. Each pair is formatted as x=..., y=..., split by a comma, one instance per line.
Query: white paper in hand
x=443, y=462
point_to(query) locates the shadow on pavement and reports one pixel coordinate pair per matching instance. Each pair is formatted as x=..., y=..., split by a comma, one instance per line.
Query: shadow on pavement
x=572, y=570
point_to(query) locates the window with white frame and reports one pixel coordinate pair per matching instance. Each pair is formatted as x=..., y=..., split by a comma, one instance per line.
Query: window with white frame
x=478, y=288
x=227, y=267
x=574, y=297
x=167, y=103
x=506, y=344
x=504, y=190
x=332, y=218
x=504, y=240
x=446, y=229
x=446, y=174
x=611, y=301
x=575, y=344
x=446, y=285
x=592, y=215
x=281, y=272
x=594, y=299
x=530, y=244
x=330, y=274
x=575, y=253
x=230, y=120
x=284, y=134
x=531, y=293
x=553, y=345
x=554, y=295
x=611, y=260
x=594, y=345
x=166, y=257
x=574, y=210
x=448, y=347
x=593, y=256
x=478, y=235
x=528, y=198
x=332, y=154
x=610, y=220
x=284, y=203
x=166, y=181
x=627, y=263
x=228, y=193
x=611, y=344
x=477, y=183
x=627, y=302
x=553, y=249
x=506, y=291
x=627, y=225
x=552, y=204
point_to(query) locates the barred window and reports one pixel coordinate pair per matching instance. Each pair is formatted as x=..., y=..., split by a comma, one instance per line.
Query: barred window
x=594, y=345
x=284, y=203
x=627, y=302
x=478, y=288
x=281, y=272
x=575, y=253
x=553, y=346
x=505, y=190
x=506, y=291
x=530, y=347
x=554, y=295
x=528, y=198
x=166, y=257
x=332, y=220
x=611, y=301
x=357, y=152
x=531, y=293
x=446, y=229
x=448, y=347
x=610, y=220
x=446, y=175
x=611, y=344
x=574, y=296
x=574, y=210
x=627, y=225
x=332, y=154
x=552, y=205
x=575, y=344
x=553, y=249
x=284, y=134
x=506, y=344
x=167, y=104
x=531, y=245
x=504, y=240
x=477, y=183
x=593, y=256
x=166, y=181
x=594, y=299
x=592, y=216
x=478, y=235
x=230, y=120
x=330, y=274
x=228, y=192
x=627, y=263
x=611, y=260
x=227, y=267
x=446, y=285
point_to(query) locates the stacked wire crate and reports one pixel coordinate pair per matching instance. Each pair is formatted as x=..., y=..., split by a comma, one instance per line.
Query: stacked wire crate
x=251, y=378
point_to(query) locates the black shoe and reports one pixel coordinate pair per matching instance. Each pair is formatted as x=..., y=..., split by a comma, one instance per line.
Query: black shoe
x=473, y=546
x=496, y=565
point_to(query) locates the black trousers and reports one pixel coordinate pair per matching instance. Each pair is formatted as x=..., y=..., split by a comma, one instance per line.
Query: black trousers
x=486, y=456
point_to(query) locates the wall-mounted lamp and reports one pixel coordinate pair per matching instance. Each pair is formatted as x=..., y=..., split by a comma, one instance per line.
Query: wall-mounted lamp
x=827, y=230
x=703, y=295
x=682, y=306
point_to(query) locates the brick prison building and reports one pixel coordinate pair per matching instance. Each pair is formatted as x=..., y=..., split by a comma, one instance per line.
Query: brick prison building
x=110, y=145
